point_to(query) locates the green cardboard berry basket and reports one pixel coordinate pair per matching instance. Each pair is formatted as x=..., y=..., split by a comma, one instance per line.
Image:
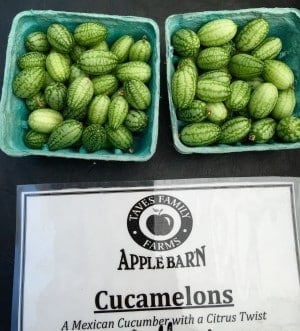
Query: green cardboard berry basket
x=13, y=111
x=284, y=23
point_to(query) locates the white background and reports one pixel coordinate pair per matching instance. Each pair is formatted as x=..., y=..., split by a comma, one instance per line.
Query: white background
x=73, y=245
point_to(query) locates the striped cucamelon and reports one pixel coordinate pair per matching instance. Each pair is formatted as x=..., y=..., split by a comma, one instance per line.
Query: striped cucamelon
x=80, y=93
x=279, y=74
x=185, y=42
x=56, y=95
x=117, y=111
x=58, y=66
x=105, y=84
x=28, y=82
x=90, y=33
x=121, y=47
x=94, y=138
x=216, y=112
x=136, y=120
x=133, y=70
x=137, y=94
x=60, y=38
x=37, y=42
x=217, y=32
x=262, y=130
x=200, y=134
x=35, y=140
x=183, y=87
x=121, y=138
x=141, y=50
x=32, y=59
x=98, y=109
x=268, y=49
x=252, y=34
x=196, y=112
x=66, y=134
x=95, y=62
x=35, y=102
x=213, y=58
x=263, y=100
x=288, y=129
x=216, y=75
x=44, y=120
x=234, y=130
x=212, y=91
x=239, y=95
x=245, y=66
x=189, y=64
x=285, y=104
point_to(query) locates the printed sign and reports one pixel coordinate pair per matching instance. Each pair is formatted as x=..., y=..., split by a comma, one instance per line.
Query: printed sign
x=205, y=257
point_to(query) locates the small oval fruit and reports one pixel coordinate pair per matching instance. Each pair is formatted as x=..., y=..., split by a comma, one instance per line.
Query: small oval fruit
x=117, y=111
x=105, y=84
x=245, y=66
x=121, y=47
x=252, y=34
x=217, y=32
x=217, y=112
x=268, y=49
x=94, y=138
x=285, y=104
x=66, y=134
x=36, y=102
x=136, y=120
x=80, y=93
x=44, y=120
x=262, y=130
x=58, y=66
x=200, y=134
x=137, y=94
x=185, y=42
x=234, y=130
x=32, y=59
x=133, y=70
x=28, y=82
x=196, y=112
x=212, y=58
x=212, y=91
x=89, y=34
x=95, y=62
x=121, y=138
x=216, y=75
x=183, y=88
x=141, y=50
x=288, y=129
x=60, y=38
x=98, y=109
x=279, y=74
x=37, y=42
x=239, y=96
x=56, y=95
x=35, y=140
x=263, y=100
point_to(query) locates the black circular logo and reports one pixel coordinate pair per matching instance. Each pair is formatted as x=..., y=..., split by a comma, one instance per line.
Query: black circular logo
x=159, y=222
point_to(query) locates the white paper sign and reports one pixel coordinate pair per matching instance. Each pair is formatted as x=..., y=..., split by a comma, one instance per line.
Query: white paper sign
x=206, y=257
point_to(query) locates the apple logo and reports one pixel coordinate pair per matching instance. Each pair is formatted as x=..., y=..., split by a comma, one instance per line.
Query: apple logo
x=159, y=224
